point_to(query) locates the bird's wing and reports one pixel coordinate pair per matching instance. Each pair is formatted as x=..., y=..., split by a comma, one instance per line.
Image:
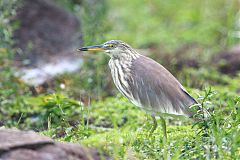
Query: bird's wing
x=155, y=88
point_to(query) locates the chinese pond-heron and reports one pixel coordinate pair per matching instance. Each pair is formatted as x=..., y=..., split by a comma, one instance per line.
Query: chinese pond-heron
x=146, y=83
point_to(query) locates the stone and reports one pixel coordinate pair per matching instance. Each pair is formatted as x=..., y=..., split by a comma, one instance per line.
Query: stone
x=28, y=145
x=46, y=41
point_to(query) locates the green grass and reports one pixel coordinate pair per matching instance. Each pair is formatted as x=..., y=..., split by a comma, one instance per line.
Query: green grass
x=118, y=128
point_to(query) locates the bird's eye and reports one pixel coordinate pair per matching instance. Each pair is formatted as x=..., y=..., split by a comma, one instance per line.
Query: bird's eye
x=111, y=45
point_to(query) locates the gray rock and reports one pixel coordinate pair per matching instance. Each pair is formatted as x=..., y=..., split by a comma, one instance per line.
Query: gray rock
x=28, y=145
x=46, y=39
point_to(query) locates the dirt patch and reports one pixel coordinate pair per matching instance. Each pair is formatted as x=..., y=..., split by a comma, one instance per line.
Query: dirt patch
x=228, y=62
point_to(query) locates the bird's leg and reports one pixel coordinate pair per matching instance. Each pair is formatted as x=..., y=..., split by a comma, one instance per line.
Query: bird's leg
x=163, y=123
x=165, y=152
x=154, y=124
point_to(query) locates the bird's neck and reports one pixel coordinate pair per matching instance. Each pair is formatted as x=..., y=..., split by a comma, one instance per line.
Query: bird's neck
x=122, y=63
x=125, y=56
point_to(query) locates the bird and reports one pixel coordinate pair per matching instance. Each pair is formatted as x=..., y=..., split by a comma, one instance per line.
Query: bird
x=146, y=83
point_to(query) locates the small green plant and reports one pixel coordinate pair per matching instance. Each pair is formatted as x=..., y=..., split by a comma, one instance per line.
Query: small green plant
x=215, y=124
x=59, y=108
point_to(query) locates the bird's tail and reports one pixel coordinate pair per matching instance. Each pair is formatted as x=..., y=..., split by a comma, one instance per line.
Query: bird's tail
x=191, y=103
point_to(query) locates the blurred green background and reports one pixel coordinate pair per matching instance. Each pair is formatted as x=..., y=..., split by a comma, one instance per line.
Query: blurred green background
x=192, y=39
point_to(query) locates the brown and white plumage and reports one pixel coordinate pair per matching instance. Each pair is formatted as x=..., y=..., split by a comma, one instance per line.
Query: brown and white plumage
x=148, y=84
x=143, y=81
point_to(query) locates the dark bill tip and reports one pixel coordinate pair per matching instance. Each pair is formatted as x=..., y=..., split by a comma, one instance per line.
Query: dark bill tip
x=83, y=49
x=92, y=48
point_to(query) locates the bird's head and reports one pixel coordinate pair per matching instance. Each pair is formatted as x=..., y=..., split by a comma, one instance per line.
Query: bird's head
x=114, y=48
